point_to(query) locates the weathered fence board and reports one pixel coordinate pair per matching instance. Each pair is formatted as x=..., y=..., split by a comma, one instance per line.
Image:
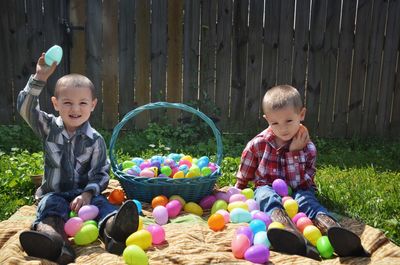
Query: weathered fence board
x=285, y=42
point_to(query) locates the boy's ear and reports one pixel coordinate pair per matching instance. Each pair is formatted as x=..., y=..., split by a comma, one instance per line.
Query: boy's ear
x=94, y=103
x=265, y=117
x=55, y=103
x=303, y=114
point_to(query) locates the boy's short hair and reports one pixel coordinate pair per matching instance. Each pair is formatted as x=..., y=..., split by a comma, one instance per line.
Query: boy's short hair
x=74, y=80
x=281, y=96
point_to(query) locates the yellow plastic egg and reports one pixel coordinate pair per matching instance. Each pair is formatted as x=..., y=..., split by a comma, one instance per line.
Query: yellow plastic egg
x=179, y=198
x=188, y=158
x=291, y=207
x=179, y=175
x=140, y=227
x=141, y=238
x=237, y=204
x=276, y=225
x=312, y=234
x=191, y=174
x=194, y=208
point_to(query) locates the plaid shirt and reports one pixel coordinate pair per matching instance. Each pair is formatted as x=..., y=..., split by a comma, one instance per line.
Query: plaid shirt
x=77, y=162
x=262, y=163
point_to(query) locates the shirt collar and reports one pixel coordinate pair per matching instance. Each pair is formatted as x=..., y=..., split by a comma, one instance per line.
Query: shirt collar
x=84, y=129
x=269, y=135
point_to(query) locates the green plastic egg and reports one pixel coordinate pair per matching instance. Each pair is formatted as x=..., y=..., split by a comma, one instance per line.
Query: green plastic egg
x=86, y=235
x=134, y=255
x=324, y=247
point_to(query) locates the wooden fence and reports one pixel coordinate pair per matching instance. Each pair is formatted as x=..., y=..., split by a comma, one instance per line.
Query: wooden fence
x=343, y=56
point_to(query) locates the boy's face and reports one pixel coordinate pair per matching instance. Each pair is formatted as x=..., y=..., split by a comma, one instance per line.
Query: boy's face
x=74, y=105
x=285, y=122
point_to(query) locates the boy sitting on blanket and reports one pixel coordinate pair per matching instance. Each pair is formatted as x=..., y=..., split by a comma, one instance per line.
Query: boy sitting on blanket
x=284, y=151
x=76, y=168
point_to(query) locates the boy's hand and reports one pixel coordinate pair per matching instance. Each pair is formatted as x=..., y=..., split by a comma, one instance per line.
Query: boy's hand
x=83, y=199
x=43, y=71
x=300, y=140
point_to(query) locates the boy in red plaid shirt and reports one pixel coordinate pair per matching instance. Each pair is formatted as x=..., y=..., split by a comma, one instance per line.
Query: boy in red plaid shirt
x=284, y=151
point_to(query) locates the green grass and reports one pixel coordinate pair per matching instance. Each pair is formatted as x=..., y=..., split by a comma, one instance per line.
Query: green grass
x=357, y=178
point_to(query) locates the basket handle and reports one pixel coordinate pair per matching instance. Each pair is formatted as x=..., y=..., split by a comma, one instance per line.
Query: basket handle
x=158, y=105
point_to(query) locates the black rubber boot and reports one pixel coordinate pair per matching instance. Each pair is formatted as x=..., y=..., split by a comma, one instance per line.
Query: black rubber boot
x=289, y=240
x=344, y=242
x=119, y=227
x=49, y=241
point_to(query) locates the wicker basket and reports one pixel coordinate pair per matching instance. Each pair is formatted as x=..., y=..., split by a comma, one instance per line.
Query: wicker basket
x=145, y=189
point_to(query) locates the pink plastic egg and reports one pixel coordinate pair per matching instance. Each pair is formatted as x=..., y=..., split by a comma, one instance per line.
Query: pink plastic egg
x=237, y=197
x=239, y=245
x=174, y=207
x=220, y=195
x=160, y=214
x=233, y=190
x=145, y=164
x=298, y=216
x=252, y=204
x=303, y=222
x=207, y=202
x=147, y=173
x=245, y=230
x=257, y=254
x=73, y=225
x=157, y=232
x=88, y=212
x=225, y=214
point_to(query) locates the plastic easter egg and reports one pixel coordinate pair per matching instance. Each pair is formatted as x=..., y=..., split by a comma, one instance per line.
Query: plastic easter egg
x=179, y=198
x=72, y=214
x=141, y=238
x=218, y=205
x=138, y=205
x=207, y=202
x=159, y=200
x=237, y=197
x=157, y=233
x=54, y=54
x=252, y=205
x=185, y=162
x=187, y=158
x=225, y=214
x=160, y=214
x=298, y=216
x=88, y=212
x=174, y=207
x=73, y=225
x=303, y=222
x=239, y=245
x=147, y=173
x=206, y=171
x=137, y=160
x=191, y=174
x=174, y=156
x=204, y=159
x=145, y=164
x=194, y=208
x=134, y=171
x=216, y=222
x=220, y=195
x=195, y=170
x=202, y=163
x=249, y=193
x=239, y=215
x=169, y=162
x=90, y=222
x=280, y=187
x=154, y=169
x=134, y=255
x=276, y=225
x=117, y=196
x=166, y=170
x=178, y=175
x=245, y=230
x=285, y=198
x=312, y=234
x=257, y=226
x=140, y=226
x=237, y=204
x=324, y=247
x=266, y=218
x=184, y=168
x=127, y=164
x=257, y=254
x=233, y=190
x=86, y=235
x=291, y=207
x=261, y=238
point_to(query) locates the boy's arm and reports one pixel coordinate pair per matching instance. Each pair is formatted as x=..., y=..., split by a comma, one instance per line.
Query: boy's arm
x=98, y=175
x=247, y=168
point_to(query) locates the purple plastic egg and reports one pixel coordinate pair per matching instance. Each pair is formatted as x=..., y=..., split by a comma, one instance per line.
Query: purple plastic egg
x=207, y=202
x=245, y=230
x=257, y=254
x=220, y=195
x=88, y=212
x=174, y=207
x=160, y=214
x=280, y=187
x=263, y=217
x=252, y=204
x=237, y=197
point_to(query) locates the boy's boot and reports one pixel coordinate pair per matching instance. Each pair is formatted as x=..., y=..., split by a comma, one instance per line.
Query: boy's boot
x=117, y=228
x=48, y=241
x=289, y=240
x=344, y=242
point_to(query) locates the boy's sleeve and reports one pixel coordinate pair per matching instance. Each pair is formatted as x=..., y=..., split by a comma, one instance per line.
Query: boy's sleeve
x=28, y=107
x=98, y=175
x=247, y=168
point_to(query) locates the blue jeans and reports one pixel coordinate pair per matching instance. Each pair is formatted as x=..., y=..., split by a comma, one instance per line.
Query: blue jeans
x=268, y=200
x=57, y=204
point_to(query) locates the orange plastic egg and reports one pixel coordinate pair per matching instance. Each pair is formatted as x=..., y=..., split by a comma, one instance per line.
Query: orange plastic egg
x=159, y=200
x=216, y=222
x=117, y=196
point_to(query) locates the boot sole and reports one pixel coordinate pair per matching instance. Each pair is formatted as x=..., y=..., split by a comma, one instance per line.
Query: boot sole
x=286, y=241
x=40, y=245
x=125, y=222
x=346, y=243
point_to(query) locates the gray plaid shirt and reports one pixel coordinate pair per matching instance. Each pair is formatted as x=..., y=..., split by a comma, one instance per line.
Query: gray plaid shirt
x=71, y=163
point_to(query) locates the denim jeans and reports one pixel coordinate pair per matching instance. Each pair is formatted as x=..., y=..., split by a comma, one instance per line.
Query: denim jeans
x=57, y=204
x=268, y=200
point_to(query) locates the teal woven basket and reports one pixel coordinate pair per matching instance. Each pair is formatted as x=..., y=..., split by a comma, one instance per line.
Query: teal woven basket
x=145, y=189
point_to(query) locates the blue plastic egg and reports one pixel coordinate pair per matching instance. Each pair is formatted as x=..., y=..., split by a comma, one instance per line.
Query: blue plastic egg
x=54, y=54
x=239, y=215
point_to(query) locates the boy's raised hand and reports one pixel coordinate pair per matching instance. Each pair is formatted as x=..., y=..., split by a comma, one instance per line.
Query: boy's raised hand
x=300, y=140
x=43, y=71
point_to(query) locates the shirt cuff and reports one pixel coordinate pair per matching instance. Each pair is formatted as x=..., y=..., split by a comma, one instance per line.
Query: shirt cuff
x=35, y=86
x=94, y=188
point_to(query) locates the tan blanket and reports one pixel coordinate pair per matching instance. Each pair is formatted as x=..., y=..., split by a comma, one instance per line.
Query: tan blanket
x=189, y=241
